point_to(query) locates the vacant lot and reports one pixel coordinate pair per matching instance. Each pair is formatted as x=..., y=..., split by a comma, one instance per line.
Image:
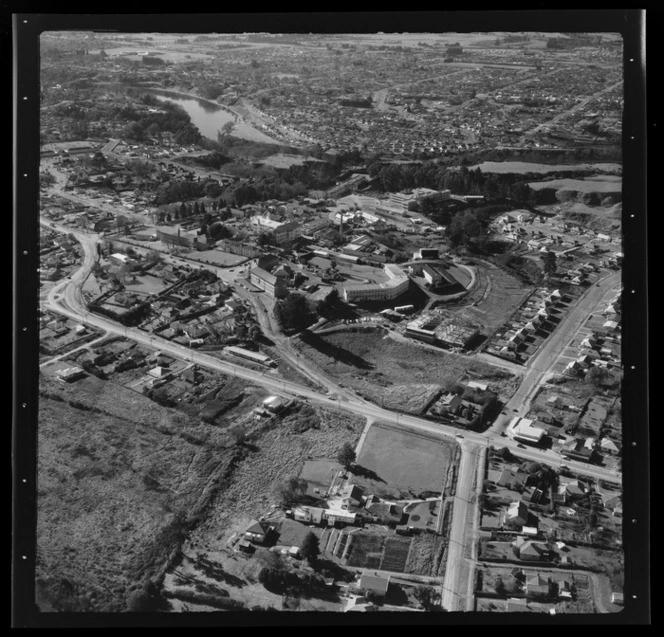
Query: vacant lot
x=406, y=462
x=398, y=374
x=495, y=298
x=120, y=480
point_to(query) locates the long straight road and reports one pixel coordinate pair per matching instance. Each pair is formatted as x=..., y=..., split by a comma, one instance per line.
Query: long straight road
x=544, y=360
x=66, y=298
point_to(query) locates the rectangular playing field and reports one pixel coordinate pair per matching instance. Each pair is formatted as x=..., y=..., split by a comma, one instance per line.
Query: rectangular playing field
x=406, y=460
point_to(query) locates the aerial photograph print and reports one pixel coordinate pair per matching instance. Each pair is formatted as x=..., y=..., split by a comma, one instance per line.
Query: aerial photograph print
x=332, y=322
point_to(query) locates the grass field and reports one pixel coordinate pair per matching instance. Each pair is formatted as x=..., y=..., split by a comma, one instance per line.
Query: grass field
x=216, y=257
x=405, y=461
x=522, y=167
x=581, y=185
x=397, y=373
x=495, y=298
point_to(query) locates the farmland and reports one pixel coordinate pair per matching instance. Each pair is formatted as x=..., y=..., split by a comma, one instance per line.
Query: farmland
x=398, y=374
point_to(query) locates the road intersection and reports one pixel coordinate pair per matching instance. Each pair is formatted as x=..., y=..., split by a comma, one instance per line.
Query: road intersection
x=66, y=298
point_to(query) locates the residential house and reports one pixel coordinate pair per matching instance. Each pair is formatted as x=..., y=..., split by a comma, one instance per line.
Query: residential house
x=308, y=514
x=517, y=514
x=573, y=490
x=384, y=512
x=531, y=550
x=617, y=598
x=576, y=449
x=610, y=447
x=374, y=583
x=159, y=372
x=192, y=375
x=614, y=504
x=257, y=532
x=351, y=496
x=537, y=586
x=517, y=605
x=565, y=589
x=514, y=479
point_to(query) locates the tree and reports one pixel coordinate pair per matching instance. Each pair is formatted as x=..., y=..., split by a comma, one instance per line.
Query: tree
x=146, y=599
x=597, y=376
x=346, y=455
x=291, y=490
x=228, y=128
x=425, y=595
x=499, y=586
x=264, y=239
x=504, y=453
x=310, y=548
x=549, y=262
x=212, y=189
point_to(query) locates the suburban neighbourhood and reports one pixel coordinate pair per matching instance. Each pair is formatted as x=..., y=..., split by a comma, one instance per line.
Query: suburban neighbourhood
x=331, y=323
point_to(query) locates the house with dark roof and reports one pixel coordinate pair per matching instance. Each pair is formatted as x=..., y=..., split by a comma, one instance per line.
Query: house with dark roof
x=510, y=478
x=374, y=583
x=384, y=512
x=537, y=586
x=257, y=532
x=532, y=551
x=517, y=514
x=351, y=495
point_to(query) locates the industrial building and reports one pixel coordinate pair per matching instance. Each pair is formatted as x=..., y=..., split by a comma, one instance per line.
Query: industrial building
x=522, y=429
x=396, y=285
x=436, y=329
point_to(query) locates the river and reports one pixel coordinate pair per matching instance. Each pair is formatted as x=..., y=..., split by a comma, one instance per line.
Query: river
x=205, y=115
x=209, y=117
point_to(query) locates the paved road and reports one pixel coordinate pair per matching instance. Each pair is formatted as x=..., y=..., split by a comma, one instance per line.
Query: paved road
x=464, y=503
x=544, y=360
x=579, y=105
x=66, y=298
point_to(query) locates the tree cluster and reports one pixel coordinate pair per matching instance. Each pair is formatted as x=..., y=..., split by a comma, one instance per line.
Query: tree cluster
x=294, y=312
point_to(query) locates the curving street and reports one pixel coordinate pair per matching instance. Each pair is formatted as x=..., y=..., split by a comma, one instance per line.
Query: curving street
x=67, y=299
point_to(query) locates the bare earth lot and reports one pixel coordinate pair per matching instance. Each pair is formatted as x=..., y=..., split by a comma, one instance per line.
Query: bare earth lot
x=398, y=374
